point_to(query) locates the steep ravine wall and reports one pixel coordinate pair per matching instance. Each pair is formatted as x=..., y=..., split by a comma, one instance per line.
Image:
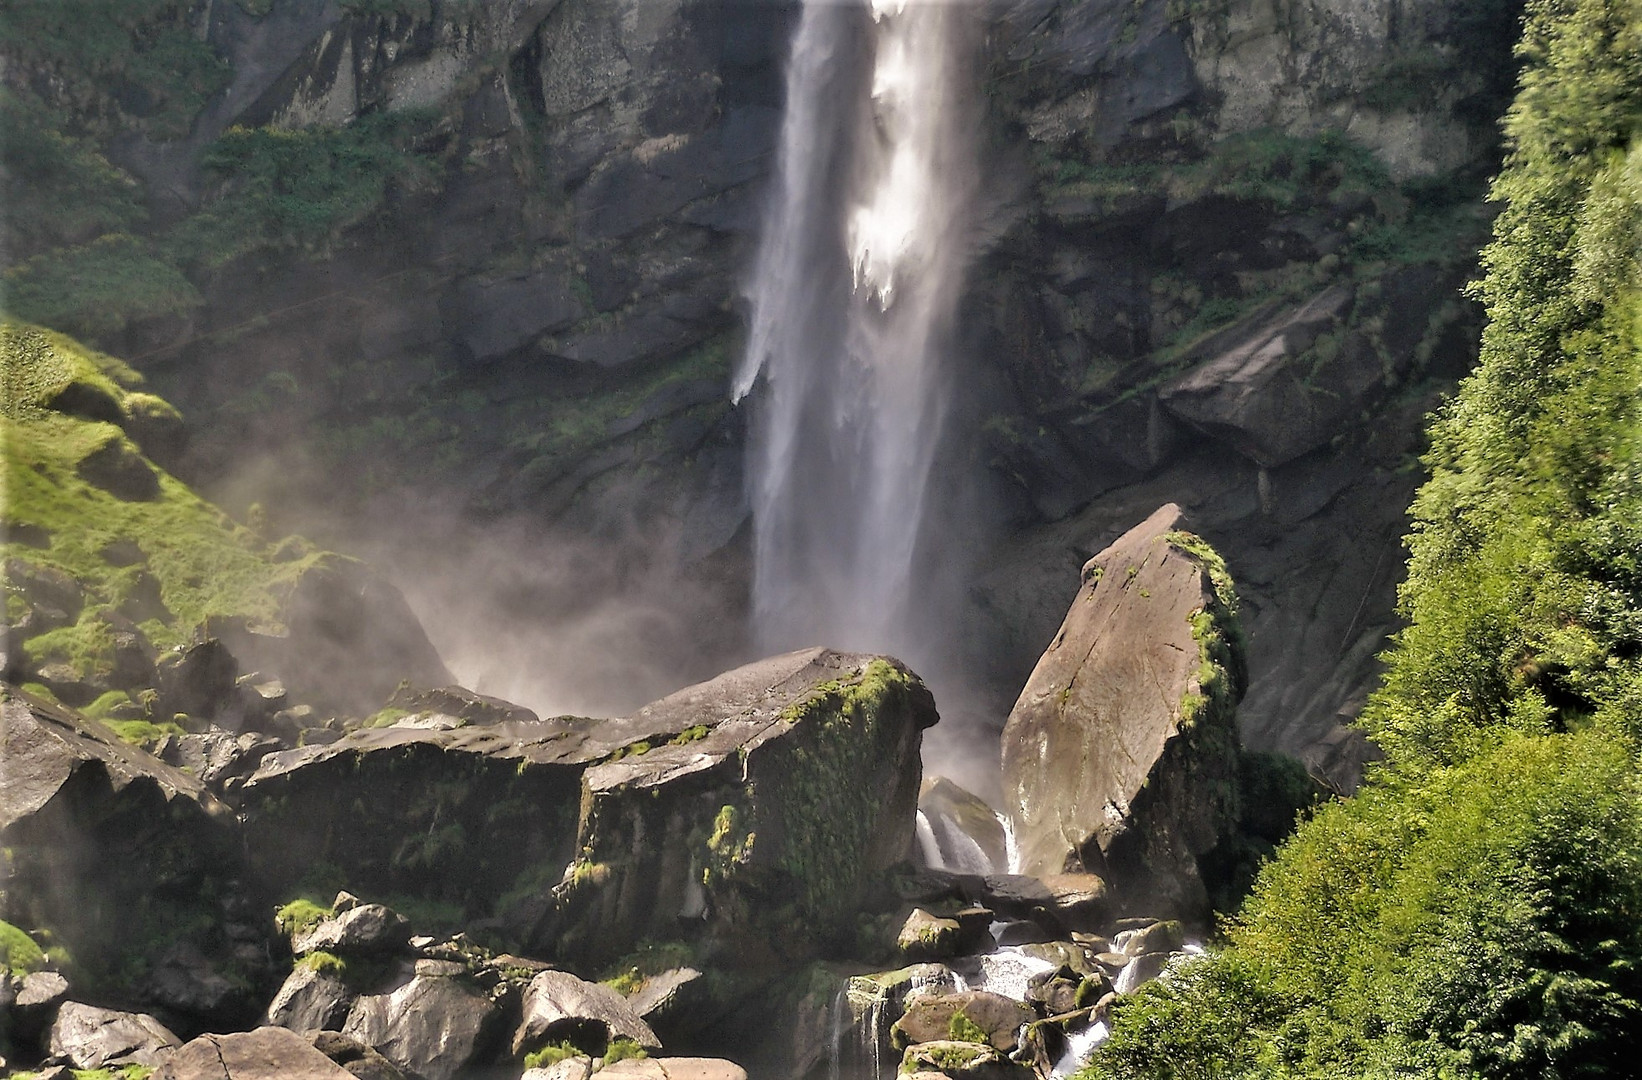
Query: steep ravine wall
x=520, y=324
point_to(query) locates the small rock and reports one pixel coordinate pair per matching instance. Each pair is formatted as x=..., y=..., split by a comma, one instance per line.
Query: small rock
x=1142, y=969
x=118, y=469
x=1167, y=936
x=41, y=988
x=570, y=1068
x=368, y=928
x=675, y=1068
x=431, y=1027
x=929, y=937
x=1024, y=932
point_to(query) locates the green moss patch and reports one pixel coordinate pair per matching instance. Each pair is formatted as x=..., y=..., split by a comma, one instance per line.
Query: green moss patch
x=205, y=564
x=18, y=952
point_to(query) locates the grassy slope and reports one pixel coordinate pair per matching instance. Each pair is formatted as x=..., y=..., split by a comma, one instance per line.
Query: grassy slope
x=1477, y=910
x=205, y=564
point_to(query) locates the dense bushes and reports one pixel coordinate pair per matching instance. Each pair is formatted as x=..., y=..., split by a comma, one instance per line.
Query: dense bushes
x=1477, y=909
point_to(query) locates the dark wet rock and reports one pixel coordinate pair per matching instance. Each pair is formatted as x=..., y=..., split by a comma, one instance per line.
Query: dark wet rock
x=50, y=591
x=97, y=828
x=433, y=1028
x=184, y=981
x=268, y=1053
x=796, y=776
x=491, y=807
x=928, y=1018
x=88, y=1037
x=310, y=1000
x=498, y=315
x=1024, y=932
x=360, y=1060
x=118, y=469
x=201, y=681
x=967, y=832
x=364, y=929
x=558, y=1007
x=1121, y=755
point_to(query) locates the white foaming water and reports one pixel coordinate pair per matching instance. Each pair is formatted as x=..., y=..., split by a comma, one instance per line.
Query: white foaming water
x=928, y=848
x=1008, y=971
x=1078, y=1046
x=853, y=298
x=1011, y=846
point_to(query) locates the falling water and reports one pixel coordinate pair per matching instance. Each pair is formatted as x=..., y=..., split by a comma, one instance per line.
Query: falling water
x=853, y=299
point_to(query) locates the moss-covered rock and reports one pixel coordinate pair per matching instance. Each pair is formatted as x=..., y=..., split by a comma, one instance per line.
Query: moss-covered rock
x=769, y=830
x=1121, y=756
x=109, y=558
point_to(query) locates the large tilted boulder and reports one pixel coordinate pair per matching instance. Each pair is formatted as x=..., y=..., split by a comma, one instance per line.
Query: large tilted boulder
x=759, y=807
x=123, y=859
x=1121, y=756
x=432, y=1026
x=559, y=1006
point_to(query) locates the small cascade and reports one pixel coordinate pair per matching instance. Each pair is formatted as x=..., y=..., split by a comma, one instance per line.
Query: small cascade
x=860, y=1031
x=1079, y=1044
x=929, y=849
x=1011, y=846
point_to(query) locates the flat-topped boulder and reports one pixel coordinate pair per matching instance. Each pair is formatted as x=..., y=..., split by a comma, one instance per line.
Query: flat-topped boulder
x=791, y=782
x=1121, y=756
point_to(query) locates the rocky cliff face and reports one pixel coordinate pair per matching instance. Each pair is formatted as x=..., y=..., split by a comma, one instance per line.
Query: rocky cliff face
x=487, y=256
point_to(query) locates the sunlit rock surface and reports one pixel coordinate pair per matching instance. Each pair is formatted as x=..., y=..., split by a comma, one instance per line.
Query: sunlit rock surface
x=1121, y=755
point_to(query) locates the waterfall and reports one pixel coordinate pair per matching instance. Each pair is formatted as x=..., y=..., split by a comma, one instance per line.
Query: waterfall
x=853, y=298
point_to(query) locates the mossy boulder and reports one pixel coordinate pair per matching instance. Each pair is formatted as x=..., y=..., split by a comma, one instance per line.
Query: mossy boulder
x=787, y=789
x=1121, y=756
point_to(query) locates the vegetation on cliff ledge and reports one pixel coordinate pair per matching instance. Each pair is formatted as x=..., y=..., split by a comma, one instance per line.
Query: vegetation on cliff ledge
x=1477, y=909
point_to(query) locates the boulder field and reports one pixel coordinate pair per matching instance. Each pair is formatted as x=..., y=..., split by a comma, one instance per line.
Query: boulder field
x=438, y=890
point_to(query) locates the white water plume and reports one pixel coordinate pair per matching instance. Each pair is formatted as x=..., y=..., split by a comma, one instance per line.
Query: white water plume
x=853, y=298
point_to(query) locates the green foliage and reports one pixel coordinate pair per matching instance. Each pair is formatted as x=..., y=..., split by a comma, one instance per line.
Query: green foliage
x=118, y=62
x=624, y=1050
x=1484, y=920
x=144, y=732
x=627, y=983
x=61, y=189
x=551, y=1055
x=18, y=952
x=299, y=915
x=324, y=963
x=97, y=288
x=297, y=188
x=1477, y=909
